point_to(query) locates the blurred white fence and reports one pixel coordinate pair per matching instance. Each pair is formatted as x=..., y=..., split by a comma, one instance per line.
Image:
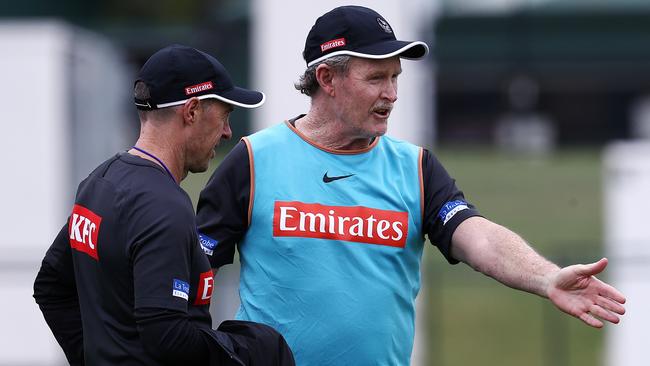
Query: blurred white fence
x=63, y=113
x=627, y=236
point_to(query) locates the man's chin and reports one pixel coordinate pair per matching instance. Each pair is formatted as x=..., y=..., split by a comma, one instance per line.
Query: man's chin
x=381, y=129
x=200, y=168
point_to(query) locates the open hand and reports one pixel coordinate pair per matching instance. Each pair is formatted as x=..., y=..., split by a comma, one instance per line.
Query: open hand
x=576, y=291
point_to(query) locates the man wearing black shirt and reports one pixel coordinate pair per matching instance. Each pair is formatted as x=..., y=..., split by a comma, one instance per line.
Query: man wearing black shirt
x=125, y=281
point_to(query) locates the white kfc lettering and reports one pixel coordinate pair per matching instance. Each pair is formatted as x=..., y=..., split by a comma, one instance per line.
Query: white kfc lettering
x=74, y=228
x=84, y=230
x=89, y=227
x=84, y=235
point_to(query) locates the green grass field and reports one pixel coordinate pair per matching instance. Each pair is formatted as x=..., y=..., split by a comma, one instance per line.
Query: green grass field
x=553, y=202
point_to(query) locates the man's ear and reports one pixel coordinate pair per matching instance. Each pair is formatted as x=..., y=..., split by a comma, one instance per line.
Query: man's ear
x=325, y=76
x=190, y=110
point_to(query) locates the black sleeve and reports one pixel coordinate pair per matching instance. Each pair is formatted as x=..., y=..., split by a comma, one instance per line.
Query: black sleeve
x=445, y=206
x=163, y=232
x=163, y=235
x=55, y=292
x=222, y=211
x=172, y=336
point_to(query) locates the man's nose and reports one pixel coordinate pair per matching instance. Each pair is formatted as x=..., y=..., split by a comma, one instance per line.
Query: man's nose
x=390, y=91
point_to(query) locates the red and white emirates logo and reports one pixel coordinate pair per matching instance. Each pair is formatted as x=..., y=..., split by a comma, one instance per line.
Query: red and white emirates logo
x=83, y=230
x=335, y=43
x=206, y=285
x=199, y=88
x=347, y=223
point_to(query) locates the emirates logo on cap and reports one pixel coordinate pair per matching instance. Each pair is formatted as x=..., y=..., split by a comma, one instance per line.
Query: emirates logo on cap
x=335, y=43
x=384, y=25
x=199, y=88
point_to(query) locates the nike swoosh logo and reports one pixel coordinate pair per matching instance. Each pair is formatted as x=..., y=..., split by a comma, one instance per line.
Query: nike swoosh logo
x=327, y=179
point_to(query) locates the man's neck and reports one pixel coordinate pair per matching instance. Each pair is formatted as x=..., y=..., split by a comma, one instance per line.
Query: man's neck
x=166, y=151
x=328, y=132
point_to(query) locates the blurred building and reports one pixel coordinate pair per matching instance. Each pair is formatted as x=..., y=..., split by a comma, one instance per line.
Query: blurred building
x=589, y=61
x=588, y=58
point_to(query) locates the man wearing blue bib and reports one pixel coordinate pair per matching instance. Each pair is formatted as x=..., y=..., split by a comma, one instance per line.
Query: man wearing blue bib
x=329, y=215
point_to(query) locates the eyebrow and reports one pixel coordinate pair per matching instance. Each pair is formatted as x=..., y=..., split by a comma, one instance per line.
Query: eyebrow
x=382, y=73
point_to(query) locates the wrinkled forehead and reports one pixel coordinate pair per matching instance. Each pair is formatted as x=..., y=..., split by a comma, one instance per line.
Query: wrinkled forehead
x=390, y=65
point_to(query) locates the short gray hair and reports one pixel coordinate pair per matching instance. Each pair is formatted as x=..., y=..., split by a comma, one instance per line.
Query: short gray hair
x=141, y=92
x=308, y=85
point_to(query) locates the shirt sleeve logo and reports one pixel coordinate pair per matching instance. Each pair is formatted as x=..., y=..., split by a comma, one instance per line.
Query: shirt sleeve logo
x=83, y=230
x=207, y=244
x=181, y=289
x=450, y=209
x=206, y=285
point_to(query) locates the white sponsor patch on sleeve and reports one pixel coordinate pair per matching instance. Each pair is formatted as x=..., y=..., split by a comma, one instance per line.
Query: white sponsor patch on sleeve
x=207, y=244
x=181, y=289
x=450, y=209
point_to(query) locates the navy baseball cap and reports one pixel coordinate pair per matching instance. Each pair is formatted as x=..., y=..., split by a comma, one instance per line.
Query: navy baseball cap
x=177, y=73
x=357, y=31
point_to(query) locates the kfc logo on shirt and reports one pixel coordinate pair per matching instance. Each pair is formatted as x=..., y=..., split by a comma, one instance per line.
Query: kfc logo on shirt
x=347, y=223
x=206, y=285
x=83, y=230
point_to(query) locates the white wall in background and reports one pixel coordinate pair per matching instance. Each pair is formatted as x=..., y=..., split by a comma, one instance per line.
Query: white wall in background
x=63, y=112
x=627, y=236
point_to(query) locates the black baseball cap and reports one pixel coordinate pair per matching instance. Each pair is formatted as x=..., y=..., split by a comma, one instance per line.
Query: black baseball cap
x=357, y=31
x=177, y=73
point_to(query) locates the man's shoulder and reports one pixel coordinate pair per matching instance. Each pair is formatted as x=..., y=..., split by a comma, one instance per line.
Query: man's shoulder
x=138, y=181
x=399, y=147
x=273, y=129
x=399, y=142
x=269, y=136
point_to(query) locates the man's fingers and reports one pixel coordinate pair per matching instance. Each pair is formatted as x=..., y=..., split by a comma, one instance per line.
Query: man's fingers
x=598, y=311
x=592, y=268
x=590, y=320
x=610, y=305
x=612, y=293
x=609, y=291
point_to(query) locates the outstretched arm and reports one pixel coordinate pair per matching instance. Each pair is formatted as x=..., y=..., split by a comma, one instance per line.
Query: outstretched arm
x=503, y=255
